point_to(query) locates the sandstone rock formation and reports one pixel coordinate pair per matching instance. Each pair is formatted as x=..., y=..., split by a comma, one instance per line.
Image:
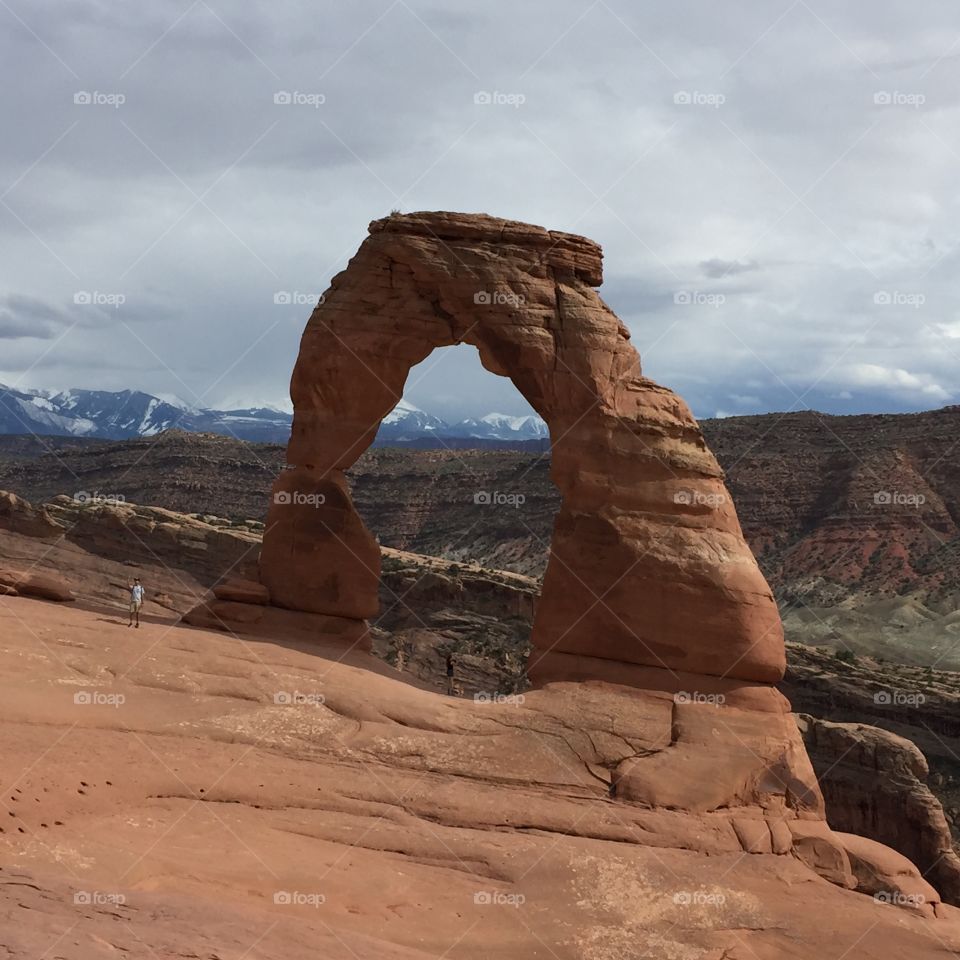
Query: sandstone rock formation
x=874, y=785
x=29, y=583
x=648, y=566
x=888, y=876
x=651, y=592
x=922, y=706
x=649, y=584
x=20, y=516
x=237, y=590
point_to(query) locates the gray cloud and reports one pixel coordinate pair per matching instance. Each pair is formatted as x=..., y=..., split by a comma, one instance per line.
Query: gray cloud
x=23, y=317
x=718, y=269
x=695, y=142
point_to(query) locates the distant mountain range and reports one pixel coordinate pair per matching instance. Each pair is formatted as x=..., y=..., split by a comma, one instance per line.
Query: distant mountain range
x=407, y=423
x=126, y=414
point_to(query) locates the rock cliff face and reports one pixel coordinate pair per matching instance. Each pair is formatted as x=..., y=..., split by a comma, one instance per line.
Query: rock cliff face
x=848, y=504
x=874, y=785
x=647, y=567
x=917, y=705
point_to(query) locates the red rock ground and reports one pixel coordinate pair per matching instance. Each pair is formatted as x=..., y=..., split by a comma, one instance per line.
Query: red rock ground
x=161, y=799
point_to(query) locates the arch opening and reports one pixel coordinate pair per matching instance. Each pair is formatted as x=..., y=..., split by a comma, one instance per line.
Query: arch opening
x=463, y=524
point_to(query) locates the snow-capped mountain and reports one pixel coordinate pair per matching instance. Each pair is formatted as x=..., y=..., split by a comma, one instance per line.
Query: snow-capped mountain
x=120, y=415
x=501, y=426
x=260, y=424
x=125, y=414
x=28, y=411
x=128, y=413
x=407, y=422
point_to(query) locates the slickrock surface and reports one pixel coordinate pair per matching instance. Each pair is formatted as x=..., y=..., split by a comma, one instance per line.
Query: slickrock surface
x=28, y=583
x=648, y=565
x=180, y=791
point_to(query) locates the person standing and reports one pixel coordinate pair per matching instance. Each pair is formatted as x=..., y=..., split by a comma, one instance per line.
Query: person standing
x=136, y=602
x=451, y=686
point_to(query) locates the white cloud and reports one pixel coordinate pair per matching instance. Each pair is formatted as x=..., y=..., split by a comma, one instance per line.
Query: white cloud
x=894, y=378
x=951, y=330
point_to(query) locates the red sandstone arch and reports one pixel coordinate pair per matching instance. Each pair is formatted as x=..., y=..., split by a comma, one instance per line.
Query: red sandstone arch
x=648, y=564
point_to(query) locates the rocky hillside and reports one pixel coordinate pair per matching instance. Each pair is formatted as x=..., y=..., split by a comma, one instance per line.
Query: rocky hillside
x=29, y=446
x=868, y=505
x=492, y=506
x=425, y=501
x=832, y=505
x=186, y=472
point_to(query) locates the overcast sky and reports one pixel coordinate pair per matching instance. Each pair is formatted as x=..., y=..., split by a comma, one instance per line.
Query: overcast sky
x=775, y=185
